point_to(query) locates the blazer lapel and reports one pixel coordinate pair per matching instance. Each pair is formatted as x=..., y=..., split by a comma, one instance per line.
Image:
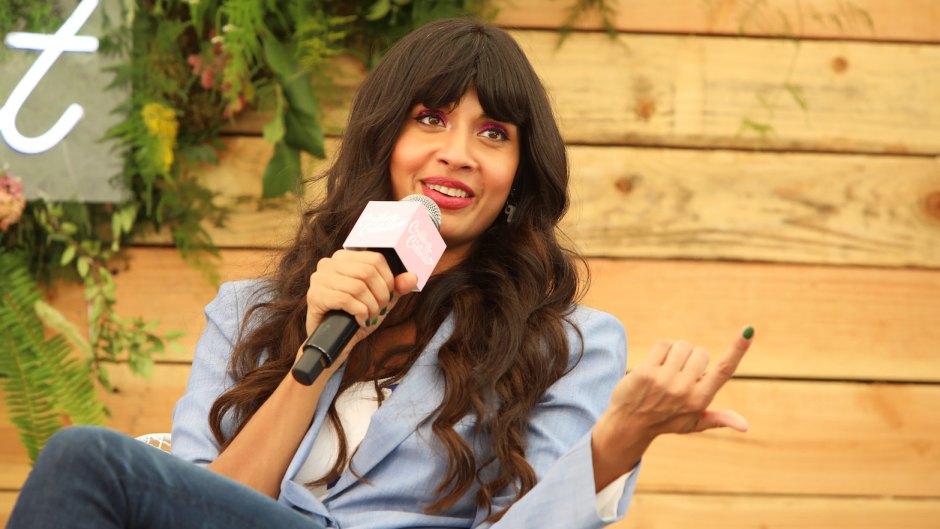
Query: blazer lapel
x=415, y=398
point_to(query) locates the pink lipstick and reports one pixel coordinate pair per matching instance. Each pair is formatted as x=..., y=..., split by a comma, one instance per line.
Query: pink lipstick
x=441, y=198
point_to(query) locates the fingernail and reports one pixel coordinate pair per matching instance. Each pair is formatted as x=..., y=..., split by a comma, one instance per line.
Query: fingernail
x=391, y=296
x=368, y=322
x=748, y=332
x=375, y=320
x=382, y=312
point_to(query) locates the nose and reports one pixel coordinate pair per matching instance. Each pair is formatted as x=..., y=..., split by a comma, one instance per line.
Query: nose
x=456, y=150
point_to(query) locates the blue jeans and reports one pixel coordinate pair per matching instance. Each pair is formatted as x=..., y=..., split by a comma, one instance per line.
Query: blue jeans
x=95, y=478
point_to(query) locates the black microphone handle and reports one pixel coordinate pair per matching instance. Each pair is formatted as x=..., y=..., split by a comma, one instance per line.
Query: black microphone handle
x=324, y=345
x=328, y=340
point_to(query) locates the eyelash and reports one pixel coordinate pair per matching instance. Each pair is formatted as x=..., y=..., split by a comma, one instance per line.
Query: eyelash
x=490, y=127
x=503, y=134
x=424, y=114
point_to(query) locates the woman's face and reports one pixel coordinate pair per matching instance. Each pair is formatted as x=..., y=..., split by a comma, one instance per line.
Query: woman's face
x=463, y=160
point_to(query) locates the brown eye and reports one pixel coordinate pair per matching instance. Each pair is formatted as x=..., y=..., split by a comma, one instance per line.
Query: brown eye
x=430, y=118
x=495, y=133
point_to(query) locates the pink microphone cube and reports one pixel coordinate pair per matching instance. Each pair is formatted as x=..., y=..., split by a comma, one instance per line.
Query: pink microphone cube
x=402, y=228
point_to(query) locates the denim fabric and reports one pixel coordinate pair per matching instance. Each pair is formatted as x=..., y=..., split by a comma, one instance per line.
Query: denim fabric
x=90, y=477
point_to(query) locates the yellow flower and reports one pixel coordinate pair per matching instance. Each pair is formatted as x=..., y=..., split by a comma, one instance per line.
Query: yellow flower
x=162, y=125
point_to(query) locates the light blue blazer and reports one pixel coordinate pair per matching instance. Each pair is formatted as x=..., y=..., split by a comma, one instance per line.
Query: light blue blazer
x=400, y=458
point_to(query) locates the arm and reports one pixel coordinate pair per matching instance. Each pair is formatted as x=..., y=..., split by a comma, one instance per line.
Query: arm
x=668, y=393
x=259, y=455
x=261, y=452
x=209, y=378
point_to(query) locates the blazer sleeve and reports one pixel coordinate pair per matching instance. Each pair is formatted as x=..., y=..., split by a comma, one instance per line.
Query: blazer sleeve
x=192, y=439
x=559, y=438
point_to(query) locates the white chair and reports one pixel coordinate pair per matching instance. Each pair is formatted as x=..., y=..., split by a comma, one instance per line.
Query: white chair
x=160, y=441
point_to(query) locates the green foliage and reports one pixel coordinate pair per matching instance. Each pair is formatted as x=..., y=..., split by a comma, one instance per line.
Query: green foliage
x=44, y=386
x=275, y=47
x=111, y=338
x=764, y=16
x=761, y=16
x=582, y=7
x=50, y=382
x=184, y=70
x=29, y=15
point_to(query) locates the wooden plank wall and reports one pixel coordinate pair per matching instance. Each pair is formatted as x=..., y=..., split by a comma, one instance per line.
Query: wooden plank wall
x=772, y=163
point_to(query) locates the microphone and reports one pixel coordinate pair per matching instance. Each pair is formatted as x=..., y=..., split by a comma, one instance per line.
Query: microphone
x=407, y=234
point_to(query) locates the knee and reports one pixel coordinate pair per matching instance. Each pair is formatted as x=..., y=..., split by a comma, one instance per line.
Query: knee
x=79, y=444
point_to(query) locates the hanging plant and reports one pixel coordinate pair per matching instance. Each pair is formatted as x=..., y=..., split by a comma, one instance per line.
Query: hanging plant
x=189, y=68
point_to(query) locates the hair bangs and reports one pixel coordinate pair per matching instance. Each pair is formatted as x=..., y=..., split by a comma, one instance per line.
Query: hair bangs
x=479, y=59
x=445, y=89
x=502, y=87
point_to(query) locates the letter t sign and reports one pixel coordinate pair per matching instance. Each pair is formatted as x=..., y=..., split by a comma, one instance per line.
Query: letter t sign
x=51, y=46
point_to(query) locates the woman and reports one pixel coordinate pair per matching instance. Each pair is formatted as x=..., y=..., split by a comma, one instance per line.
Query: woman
x=469, y=404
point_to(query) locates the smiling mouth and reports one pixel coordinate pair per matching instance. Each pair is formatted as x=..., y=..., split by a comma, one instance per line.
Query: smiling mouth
x=449, y=191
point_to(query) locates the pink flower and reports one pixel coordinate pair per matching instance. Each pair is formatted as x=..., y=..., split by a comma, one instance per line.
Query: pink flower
x=209, y=67
x=12, y=201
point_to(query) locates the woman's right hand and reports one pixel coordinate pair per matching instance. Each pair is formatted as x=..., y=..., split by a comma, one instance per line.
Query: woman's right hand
x=359, y=283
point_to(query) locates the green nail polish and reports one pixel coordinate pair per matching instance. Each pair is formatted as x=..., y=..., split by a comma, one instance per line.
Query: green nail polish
x=383, y=311
x=391, y=296
x=375, y=320
x=368, y=322
x=748, y=333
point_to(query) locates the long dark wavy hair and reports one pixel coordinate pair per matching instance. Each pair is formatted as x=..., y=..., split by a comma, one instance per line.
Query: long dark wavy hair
x=510, y=298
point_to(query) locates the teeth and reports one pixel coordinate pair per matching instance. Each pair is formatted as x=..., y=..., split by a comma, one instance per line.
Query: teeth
x=449, y=191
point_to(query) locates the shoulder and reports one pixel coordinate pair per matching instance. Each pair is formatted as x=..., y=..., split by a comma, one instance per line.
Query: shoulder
x=587, y=317
x=231, y=303
x=592, y=325
x=239, y=296
x=596, y=336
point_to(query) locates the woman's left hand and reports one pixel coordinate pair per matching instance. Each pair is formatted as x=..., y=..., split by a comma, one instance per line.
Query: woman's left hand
x=669, y=392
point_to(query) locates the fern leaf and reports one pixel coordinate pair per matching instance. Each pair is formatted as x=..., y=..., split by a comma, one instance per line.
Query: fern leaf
x=43, y=387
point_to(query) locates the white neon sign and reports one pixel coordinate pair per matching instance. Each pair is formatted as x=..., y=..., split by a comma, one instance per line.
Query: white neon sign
x=64, y=40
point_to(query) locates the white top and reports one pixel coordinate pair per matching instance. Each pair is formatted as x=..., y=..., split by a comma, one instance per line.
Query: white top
x=355, y=408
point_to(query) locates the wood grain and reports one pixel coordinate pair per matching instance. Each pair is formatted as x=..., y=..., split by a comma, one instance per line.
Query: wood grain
x=679, y=203
x=710, y=511
x=700, y=92
x=873, y=20
x=806, y=208
x=722, y=92
x=7, y=500
x=811, y=321
x=252, y=222
x=807, y=438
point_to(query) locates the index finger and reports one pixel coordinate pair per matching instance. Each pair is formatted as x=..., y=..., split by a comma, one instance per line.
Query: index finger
x=722, y=371
x=372, y=258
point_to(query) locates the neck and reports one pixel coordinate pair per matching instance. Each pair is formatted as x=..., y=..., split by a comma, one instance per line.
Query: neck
x=453, y=256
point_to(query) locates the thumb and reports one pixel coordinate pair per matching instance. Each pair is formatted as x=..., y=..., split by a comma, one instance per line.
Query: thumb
x=722, y=419
x=405, y=283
